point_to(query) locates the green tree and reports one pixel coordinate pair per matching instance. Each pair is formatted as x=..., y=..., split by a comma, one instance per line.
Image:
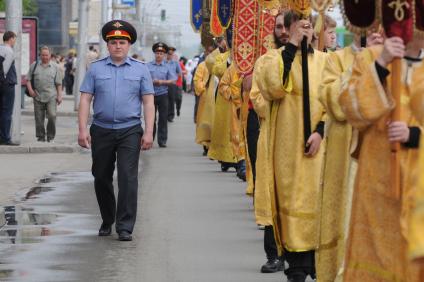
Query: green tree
x=30, y=7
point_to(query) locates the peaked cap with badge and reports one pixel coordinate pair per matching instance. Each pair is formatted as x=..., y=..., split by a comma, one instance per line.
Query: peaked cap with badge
x=160, y=46
x=119, y=29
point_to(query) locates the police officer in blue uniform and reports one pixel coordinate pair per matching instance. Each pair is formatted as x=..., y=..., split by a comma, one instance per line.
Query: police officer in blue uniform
x=162, y=79
x=118, y=86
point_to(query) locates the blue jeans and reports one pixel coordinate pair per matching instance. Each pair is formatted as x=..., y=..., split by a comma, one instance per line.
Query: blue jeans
x=7, y=95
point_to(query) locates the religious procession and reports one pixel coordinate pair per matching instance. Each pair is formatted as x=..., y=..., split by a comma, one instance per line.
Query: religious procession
x=327, y=137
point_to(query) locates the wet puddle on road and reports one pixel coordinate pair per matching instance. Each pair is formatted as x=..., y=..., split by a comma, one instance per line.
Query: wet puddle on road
x=38, y=215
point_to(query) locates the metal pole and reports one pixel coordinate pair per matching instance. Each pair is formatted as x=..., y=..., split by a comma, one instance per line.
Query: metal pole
x=105, y=16
x=115, y=10
x=14, y=23
x=139, y=16
x=81, y=49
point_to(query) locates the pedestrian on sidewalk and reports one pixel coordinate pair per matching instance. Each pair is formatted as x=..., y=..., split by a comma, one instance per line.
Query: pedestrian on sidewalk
x=162, y=79
x=174, y=66
x=7, y=86
x=46, y=93
x=119, y=86
x=70, y=68
x=180, y=85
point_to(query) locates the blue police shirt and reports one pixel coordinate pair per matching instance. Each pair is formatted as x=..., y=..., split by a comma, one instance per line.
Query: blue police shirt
x=117, y=91
x=175, y=68
x=160, y=72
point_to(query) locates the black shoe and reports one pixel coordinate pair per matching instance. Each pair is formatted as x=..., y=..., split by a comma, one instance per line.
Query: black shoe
x=296, y=277
x=9, y=143
x=224, y=168
x=272, y=266
x=178, y=113
x=39, y=139
x=124, y=236
x=170, y=120
x=105, y=230
x=162, y=145
x=241, y=175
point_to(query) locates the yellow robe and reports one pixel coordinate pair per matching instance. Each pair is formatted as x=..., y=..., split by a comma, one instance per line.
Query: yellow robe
x=336, y=192
x=416, y=238
x=377, y=242
x=295, y=195
x=264, y=169
x=204, y=87
x=222, y=145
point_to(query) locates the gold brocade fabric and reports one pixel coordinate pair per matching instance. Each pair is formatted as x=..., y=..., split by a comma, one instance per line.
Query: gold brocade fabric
x=336, y=195
x=377, y=242
x=264, y=169
x=416, y=235
x=204, y=87
x=223, y=146
x=295, y=197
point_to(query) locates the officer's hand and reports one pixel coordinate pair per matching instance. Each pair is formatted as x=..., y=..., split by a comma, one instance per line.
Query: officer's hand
x=398, y=131
x=313, y=143
x=147, y=141
x=84, y=139
x=393, y=48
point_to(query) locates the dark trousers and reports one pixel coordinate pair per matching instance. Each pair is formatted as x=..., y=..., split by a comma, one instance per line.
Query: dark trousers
x=123, y=147
x=196, y=107
x=42, y=109
x=7, y=101
x=300, y=263
x=179, y=100
x=270, y=246
x=252, y=135
x=172, y=93
x=69, y=83
x=161, y=116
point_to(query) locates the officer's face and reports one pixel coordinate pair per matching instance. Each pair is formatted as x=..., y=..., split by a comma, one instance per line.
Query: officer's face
x=118, y=48
x=159, y=56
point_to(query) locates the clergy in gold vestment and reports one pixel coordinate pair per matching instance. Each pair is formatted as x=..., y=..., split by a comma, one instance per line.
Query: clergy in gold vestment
x=377, y=242
x=416, y=238
x=295, y=195
x=221, y=148
x=204, y=88
x=230, y=89
x=335, y=192
x=339, y=167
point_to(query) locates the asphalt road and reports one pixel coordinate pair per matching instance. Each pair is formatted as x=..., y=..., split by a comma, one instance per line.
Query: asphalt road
x=194, y=224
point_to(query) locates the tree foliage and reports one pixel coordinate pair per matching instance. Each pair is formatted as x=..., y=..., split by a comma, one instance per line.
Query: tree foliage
x=30, y=7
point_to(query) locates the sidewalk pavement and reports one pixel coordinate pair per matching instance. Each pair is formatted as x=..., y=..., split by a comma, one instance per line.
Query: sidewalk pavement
x=22, y=166
x=66, y=131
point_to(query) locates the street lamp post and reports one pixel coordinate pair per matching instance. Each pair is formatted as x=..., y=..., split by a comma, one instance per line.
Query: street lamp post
x=81, y=49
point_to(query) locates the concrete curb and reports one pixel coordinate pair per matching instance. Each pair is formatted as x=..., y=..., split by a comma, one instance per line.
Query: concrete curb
x=59, y=114
x=39, y=149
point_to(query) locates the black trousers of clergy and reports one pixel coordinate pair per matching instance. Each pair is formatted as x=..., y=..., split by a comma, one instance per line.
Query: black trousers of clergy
x=300, y=262
x=270, y=246
x=161, y=116
x=123, y=147
x=172, y=93
x=252, y=135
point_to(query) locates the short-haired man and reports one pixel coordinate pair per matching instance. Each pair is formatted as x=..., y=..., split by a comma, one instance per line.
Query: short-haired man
x=7, y=87
x=47, y=94
x=162, y=79
x=119, y=86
